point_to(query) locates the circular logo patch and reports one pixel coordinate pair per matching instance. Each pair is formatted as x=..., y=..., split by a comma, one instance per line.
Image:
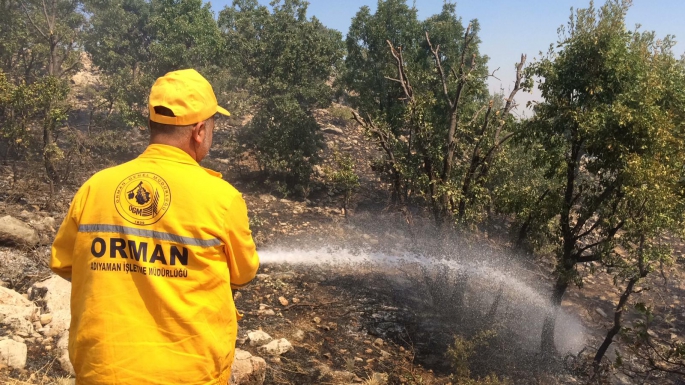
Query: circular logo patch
x=142, y=198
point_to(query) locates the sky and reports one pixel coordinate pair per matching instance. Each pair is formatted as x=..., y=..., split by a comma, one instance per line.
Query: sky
x=511, y=27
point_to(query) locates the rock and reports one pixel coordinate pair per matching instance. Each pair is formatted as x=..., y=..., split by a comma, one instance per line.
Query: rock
x=14, y=232
x=56, y=292
x=317, y=320
x=276, y=347
x=17, y=338
x=601, y=312
x=283, y=301
x=63, y=355
x=266, y=198
x=13, y=353
x=44, y=225
x=318, y=171
x=268, y=312
x=299, y=335
x=333, y=130
x=45, y=319
x=368, y=351
x=378, y=342
x=247, y=369
x=259, y=338
x=16, y=311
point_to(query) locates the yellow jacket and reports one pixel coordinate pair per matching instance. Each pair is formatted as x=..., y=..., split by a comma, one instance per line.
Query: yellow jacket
x=152, y=248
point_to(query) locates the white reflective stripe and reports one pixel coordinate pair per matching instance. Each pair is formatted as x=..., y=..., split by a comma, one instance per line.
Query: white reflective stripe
x=101, y=228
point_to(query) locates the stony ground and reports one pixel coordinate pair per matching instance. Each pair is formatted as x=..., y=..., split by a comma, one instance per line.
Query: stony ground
x=366, y=319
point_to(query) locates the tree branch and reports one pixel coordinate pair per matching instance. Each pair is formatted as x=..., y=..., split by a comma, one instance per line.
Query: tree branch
x=438, y=66
x=23, y=6
x=397, y=54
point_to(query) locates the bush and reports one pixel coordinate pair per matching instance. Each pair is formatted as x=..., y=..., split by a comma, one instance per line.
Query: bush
x=343, y=179
x=286, y=140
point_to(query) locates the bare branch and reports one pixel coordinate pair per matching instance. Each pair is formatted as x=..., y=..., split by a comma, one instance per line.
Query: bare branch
x=492, y=75
x=611, y=233
x=397, y=54
x=477, y=114
x=438, y=66
x=28, y=15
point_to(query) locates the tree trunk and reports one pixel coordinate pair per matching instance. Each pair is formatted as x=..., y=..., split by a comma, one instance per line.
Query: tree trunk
x=466, y=187
x=547, y=340
x=567, y=261
x=618, y=314
x=48, y=141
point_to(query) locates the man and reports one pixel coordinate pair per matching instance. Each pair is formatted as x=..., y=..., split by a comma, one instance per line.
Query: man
x=153, y=248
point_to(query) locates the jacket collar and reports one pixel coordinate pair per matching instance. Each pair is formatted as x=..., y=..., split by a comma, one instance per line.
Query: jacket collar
x=174, y=154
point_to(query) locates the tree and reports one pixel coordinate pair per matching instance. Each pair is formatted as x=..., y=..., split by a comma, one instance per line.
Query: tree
x=39, y=51
x=133, y=42
x=431, y=114
x=654, y=202
x=118, y=38
x=285, y=61
x=610, y=124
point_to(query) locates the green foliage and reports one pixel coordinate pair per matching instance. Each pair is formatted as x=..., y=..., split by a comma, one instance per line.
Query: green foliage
x=39, y=50
x=611, y=124
x=343, y=178
x=369, y=61
x=420, y=89
x=285, y=61
x=286, y=140
x=342, y=116
x=185, y=35
x=133, y=42
x=461, y=352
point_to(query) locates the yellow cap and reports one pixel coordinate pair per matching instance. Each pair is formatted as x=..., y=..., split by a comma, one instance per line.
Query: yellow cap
x=188, y=96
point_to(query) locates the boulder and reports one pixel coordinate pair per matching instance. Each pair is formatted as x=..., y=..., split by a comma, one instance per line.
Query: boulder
x=56, y=294
x=247, y=369
x=13, y=353
x=14, y=232
x=276, y=347
x=258, y=338
x=16, y=311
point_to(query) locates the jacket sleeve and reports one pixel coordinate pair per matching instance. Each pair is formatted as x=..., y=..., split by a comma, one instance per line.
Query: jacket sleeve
x=61, y=258
x=243, y=260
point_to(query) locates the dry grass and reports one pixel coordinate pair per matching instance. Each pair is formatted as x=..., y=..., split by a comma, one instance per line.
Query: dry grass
x=376, y=379
x=40, y=377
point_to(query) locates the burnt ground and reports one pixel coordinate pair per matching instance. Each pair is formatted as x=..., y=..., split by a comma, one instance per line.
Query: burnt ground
x=348, y=322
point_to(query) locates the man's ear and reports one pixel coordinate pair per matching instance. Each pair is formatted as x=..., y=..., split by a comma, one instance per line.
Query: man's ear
x=199, y=132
